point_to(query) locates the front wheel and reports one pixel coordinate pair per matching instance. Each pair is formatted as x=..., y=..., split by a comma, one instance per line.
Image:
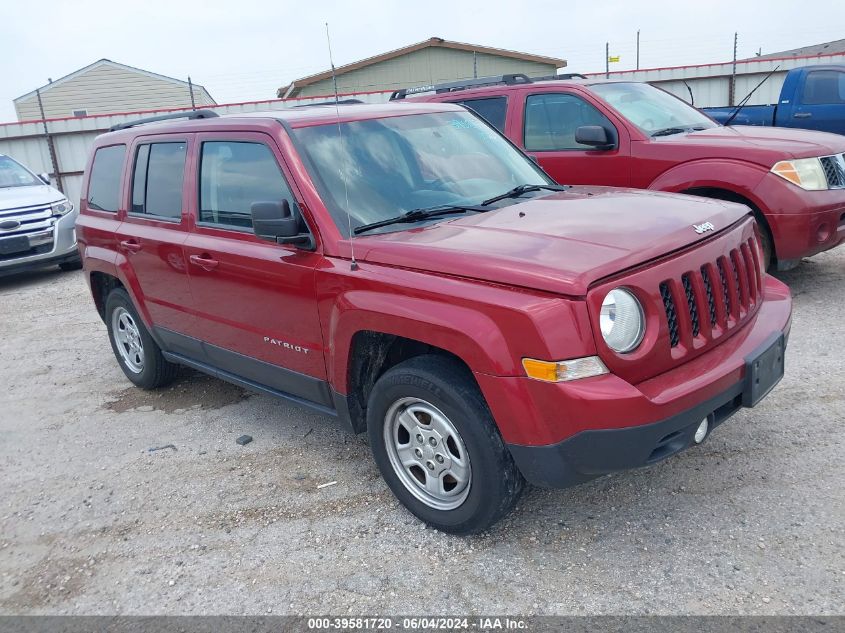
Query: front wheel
x=438, y=448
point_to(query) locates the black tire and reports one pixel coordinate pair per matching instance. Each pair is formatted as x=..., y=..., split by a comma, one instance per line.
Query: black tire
x=495, y=484
x=767, y=247
x=155, y=370
x=74, y=264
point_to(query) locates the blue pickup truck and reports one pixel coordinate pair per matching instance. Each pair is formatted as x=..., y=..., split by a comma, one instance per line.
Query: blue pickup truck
x=812, y=98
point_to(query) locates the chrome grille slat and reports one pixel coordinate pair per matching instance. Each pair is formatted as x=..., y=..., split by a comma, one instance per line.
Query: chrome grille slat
x=834, y=170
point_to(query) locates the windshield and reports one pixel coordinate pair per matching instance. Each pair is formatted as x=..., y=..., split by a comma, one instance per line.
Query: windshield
x=14, y=175
x=651, y=109
x=401, y=163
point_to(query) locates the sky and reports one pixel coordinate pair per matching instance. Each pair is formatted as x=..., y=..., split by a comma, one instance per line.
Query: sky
x=245, y=50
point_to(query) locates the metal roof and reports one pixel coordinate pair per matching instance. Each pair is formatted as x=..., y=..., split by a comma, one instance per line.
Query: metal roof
x=828, y=48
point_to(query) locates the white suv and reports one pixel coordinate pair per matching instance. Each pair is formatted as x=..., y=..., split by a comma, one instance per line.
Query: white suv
x=36, y=222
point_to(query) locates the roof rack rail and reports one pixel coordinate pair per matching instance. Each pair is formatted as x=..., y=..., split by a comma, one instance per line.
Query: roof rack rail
x=328, y=103
x=194, y=114
x=454, y=86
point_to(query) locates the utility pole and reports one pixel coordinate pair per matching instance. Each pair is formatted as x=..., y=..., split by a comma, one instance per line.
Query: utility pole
x=638, y=49
x=53, y=160
x=191, y=88
x=732, y=87
x=607, y=59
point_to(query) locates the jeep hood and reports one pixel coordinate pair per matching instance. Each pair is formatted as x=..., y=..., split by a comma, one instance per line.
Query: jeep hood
x=17, y=197
x=560, y=243
x=771, y=144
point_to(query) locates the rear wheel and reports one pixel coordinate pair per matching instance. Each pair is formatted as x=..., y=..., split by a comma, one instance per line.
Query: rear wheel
x=139, y=356
x=438, y=448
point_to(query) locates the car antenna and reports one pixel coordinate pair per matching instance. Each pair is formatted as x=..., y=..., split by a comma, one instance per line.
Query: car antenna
x=354, y=265
x=748, y=96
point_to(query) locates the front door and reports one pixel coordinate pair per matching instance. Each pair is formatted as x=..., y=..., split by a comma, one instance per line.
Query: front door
x=154, y=229
x=549, y=123
x=254, y=300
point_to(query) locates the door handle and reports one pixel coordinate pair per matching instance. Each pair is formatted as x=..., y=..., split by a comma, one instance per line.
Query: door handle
x=204, y=261
x=802, y=115
x=130, y=246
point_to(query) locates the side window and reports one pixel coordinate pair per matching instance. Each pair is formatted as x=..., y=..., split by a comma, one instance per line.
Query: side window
x=492, y=109
x=824, y=87
x=157, y=179
x=233, y=175
x=551, y=120
x=104, y=183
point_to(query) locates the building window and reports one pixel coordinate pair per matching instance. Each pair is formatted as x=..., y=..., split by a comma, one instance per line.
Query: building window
x=80, y=113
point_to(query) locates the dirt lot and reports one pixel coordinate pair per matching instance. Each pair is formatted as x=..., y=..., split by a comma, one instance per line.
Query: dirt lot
x=92, y=521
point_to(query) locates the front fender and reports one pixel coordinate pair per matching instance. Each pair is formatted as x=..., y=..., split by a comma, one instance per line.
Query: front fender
x=736, y=176
x=468, y=334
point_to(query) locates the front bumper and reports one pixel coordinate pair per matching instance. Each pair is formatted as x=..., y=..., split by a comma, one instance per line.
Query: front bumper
x=562, y=434
x=803, y=223
x=61, y=248
x=591, y=454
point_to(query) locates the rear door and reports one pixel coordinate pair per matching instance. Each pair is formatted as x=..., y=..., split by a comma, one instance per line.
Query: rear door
x=255, y=300
x=155, y=227
x=549, y=121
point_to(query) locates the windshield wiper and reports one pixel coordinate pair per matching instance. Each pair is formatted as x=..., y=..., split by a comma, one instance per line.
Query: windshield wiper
x=521, y=189
x=415, y=215
x=677, y=130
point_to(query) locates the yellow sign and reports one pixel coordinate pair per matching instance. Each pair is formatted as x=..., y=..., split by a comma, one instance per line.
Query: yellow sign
x=613, y=59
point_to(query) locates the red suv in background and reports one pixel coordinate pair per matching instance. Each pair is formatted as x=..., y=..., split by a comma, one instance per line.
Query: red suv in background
x=628, y=134
x=406, y=269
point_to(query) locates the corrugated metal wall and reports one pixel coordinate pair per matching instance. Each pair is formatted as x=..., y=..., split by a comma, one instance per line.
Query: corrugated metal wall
x=72, y=137
x=710, y=83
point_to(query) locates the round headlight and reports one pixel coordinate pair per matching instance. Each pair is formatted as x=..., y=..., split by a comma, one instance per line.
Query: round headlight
x=621, y=321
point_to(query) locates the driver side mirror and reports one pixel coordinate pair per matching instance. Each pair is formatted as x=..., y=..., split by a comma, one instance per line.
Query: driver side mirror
x=274, y=221
x=595, y=136
x=45, y=178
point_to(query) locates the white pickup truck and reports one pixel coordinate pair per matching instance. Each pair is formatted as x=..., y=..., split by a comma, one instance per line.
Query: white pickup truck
x=36, y=222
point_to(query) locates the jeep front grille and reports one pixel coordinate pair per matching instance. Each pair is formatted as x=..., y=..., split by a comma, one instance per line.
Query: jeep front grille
x=714, y=298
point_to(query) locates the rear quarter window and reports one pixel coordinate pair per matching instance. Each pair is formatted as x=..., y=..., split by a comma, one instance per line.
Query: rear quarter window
x=492, y=109
x=104, y=181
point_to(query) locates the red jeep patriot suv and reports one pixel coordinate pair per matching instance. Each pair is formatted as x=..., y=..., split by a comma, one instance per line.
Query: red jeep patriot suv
x=408, y=270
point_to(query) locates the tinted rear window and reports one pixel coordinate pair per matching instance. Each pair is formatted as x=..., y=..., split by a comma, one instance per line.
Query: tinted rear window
x=491, y=109
x=157, y=180
x=104, y=183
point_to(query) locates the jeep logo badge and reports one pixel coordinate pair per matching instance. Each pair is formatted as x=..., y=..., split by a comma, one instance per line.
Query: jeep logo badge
x=703, y=228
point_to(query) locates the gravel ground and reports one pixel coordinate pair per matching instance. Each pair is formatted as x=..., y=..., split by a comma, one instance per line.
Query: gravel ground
x=93, y=522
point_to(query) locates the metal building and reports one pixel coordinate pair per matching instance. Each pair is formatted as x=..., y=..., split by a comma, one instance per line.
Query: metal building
x=716, y=85
x=106, y=86
x=433, y=61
